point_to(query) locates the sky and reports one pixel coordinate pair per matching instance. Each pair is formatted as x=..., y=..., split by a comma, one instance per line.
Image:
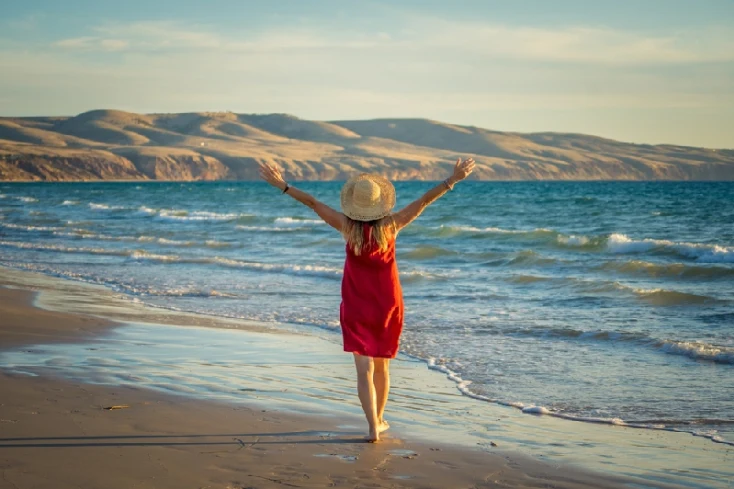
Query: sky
x=643, y=71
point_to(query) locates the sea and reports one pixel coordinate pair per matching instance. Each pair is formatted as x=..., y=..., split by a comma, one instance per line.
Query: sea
x=603, y=302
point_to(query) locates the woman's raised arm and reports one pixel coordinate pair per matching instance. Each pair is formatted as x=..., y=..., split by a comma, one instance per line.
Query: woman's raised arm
x=332, y=217
x=405, y=216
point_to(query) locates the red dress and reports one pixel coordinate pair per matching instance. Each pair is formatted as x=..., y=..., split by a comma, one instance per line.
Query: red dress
x=371, y=312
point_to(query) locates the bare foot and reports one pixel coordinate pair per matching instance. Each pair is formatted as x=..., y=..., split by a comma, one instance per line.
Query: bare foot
x=373, y=437
x=383, y=426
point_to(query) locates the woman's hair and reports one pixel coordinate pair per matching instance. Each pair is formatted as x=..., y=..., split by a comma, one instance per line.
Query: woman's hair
x=381, y=232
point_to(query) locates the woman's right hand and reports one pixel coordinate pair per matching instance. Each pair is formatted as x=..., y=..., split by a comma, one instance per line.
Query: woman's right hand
x=462, y=169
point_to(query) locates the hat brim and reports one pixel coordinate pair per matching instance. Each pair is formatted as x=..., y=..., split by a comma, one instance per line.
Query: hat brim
x=371, y=213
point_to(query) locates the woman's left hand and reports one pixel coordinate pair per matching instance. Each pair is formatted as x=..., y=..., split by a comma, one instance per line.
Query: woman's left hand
x=462, y=169
x=271, y=174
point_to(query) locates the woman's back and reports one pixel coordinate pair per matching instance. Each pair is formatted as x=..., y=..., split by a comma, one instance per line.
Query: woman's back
x=371, y=312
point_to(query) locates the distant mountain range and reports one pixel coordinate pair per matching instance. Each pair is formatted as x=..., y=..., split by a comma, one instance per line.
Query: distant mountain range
x=115, y=145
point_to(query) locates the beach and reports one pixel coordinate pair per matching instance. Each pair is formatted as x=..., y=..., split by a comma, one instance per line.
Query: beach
x=56, y=431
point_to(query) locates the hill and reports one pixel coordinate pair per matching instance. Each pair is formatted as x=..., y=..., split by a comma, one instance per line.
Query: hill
x=116, y=145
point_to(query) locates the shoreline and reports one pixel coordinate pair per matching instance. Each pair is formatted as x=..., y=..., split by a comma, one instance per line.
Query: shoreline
x=528, y=434
x=164, y=440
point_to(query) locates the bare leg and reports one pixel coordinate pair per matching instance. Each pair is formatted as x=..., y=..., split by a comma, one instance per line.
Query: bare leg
x=366, y=391
x=382, y=389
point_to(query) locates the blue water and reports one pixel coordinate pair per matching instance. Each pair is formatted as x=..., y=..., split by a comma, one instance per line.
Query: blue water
x=600, y=301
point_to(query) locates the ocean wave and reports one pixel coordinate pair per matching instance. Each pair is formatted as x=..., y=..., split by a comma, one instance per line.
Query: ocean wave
x=656, y=296
x=182, y=215
x=527, y=279
x=529, y=257
x=533, y=409
x=571, y=333
x=145, y=255
x=273, y=229
x=24, y=227
x=106, y=207
x=70, y=202
x=147, y=210
x=573, y=240
x=449, y=230
x=86, y=234
x=663, y=297
x=313, y=270
x=140, y=290
x=543, y=235
x=539, y=236
x=426, y=253
x=700, y=252
x=298, y=221
x=678, y=270
x=63, y=249
x=186, y=215
x=27, y=199
x=615, y=243
x=698, y=351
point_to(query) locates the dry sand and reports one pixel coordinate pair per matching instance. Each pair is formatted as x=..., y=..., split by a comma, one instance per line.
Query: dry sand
x=58, y=434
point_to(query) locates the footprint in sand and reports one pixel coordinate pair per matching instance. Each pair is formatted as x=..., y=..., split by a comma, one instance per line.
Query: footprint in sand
x=403, y=453
x=345, y=458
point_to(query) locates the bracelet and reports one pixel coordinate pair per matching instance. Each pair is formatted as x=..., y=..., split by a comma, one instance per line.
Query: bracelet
x=287, y=188
x=448, y=185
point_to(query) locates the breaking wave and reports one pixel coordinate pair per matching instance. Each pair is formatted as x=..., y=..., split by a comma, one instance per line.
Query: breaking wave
x=704, y=253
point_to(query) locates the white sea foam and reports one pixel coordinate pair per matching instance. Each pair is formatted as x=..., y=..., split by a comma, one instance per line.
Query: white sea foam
x=315, y=270
x=298, y=221
x=70, y=202
x=105, y=207
x=147, y=210
x=620, y=243
x=165, y=241
x=65, y=249
x=176, y=292
x=494, y=230
x=27, y=199
x=22, y=227
x=536, y=410
x=573, y=240
x=144, y=255
x=182, y=215
x=698, y=351
x=271, y=229
x=212, y=243
x=86, y=234
x=707, y=253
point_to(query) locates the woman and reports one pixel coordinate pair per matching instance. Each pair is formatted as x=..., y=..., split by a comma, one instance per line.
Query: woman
x=371, y=312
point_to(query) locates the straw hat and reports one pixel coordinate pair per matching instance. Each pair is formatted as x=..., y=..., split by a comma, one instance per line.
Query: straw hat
x=367, y=197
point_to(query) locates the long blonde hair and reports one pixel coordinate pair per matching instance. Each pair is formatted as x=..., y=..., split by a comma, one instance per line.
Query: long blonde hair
x=382, y=230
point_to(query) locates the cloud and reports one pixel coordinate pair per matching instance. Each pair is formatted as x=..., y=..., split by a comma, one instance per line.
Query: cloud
x=427, y=37
x=90, y=43
x=591, y=45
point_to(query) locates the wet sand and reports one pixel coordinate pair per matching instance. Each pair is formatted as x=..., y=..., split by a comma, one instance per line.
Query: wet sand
x=57, y=433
